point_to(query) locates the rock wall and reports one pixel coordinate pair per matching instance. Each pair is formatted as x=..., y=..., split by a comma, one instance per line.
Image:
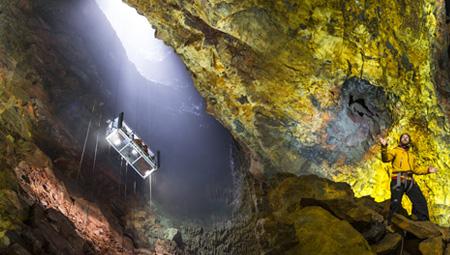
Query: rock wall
x=46, y=82
x=38, y=66
x=309, y=86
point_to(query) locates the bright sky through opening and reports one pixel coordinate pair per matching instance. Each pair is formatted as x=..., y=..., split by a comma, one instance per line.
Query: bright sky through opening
x=137, y=37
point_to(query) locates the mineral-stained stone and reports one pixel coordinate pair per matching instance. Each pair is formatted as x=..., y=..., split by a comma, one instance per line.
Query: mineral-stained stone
x=432, y=246
x=319, y=232
x=321, y=81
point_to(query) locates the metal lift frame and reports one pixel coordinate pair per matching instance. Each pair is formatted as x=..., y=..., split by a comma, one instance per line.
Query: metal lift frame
x=121, y=138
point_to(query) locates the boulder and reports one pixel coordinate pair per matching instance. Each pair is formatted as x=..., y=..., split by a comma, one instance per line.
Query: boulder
x=275, y=237
x=319, y=232
x=445, y=234
x=421, y=229
x=309, y=186
x=294, y=193
x=363, y=218
x=432, y=246
x=173, y=234
x=388, y=244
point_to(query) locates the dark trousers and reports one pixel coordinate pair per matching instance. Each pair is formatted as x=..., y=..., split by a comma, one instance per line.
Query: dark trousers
x=412, y=190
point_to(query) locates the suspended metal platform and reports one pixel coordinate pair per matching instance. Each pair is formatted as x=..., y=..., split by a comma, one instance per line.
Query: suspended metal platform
x=131, y=148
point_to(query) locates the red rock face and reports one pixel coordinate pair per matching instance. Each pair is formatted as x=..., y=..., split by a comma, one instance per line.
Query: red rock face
x=46, y=80
x=40, y=184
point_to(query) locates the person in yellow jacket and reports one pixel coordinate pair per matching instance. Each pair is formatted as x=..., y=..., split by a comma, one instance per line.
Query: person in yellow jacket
x=402, y=180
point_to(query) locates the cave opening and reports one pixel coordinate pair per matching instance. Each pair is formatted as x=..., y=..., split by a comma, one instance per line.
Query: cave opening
x=162, y=105
x=139, y=75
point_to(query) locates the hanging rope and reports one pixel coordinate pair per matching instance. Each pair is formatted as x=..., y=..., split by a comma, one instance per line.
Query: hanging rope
x=150, y=184
x=126, y=175
x=85, y=143
x=403, y=242
x=96, y=145
x=95, y=154
x=84, y=149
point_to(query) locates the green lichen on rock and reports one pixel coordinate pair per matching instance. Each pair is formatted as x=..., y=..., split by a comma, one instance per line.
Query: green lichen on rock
x=317, y=216
x=432, y=246
x=319, y=232
x=17, y=117
x=11, y=211
x=14, y=128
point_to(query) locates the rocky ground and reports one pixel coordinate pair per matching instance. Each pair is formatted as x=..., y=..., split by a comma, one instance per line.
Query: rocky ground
x=318, y=216
x=292, y=215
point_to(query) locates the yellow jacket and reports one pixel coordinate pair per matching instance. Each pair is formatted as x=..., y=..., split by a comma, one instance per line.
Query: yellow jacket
x=402, y=160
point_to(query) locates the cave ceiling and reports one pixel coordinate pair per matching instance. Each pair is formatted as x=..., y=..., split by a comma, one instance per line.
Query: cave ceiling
x=309, y=86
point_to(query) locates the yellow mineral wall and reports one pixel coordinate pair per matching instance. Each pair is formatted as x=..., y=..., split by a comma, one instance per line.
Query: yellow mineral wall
x=272, y=73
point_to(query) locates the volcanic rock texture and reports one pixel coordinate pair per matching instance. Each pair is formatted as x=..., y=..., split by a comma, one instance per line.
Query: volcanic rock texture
x=305, y=86
x=43, y=74
x=51, y=86
x=309, y=86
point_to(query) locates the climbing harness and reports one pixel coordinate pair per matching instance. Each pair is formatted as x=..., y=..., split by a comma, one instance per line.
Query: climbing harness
x=403, y=177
